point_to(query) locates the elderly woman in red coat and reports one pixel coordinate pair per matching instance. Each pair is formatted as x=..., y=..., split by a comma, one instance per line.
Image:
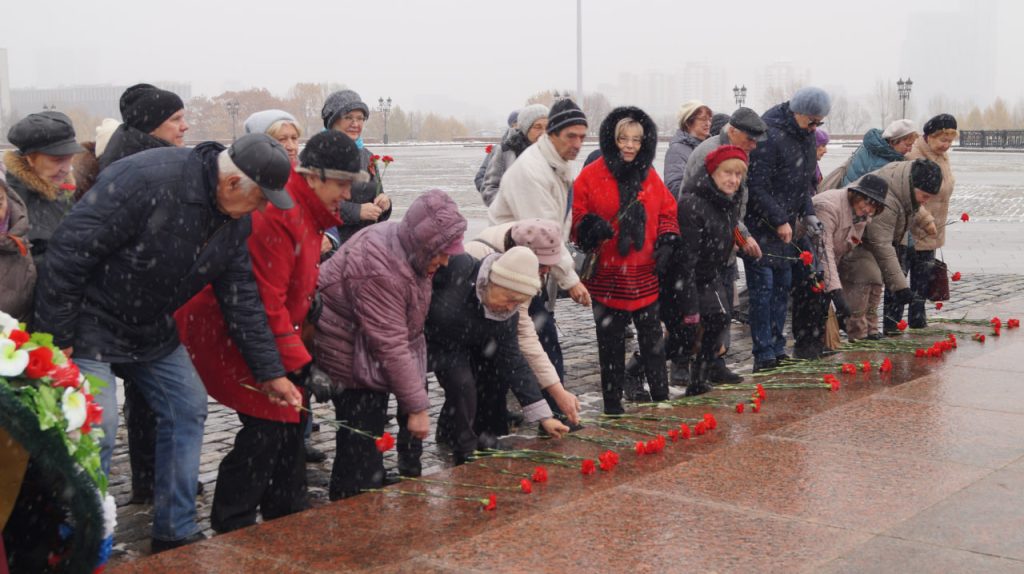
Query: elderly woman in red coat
x=266, y=468
x=623, y=210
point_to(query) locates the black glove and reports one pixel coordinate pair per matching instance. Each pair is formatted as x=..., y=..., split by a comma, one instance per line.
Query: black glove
x=903, y=297
x=320, y=386
x=591, y=231
x=664, y=250
x=842, y=309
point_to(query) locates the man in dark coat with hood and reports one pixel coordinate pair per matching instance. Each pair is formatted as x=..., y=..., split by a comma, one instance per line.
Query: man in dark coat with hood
x=157, y=228
x=782, y=173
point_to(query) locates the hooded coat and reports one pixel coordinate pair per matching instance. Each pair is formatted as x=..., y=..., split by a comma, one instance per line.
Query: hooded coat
x=376, y=293
x=679, y=150
x=696, y=279
x=872, y=154
x=620, y=192
x=285, y=248
x=46, y=203
x=458, y=331
x=938, y=206
x=148, y=238
x=17, y=270
x=782, y=171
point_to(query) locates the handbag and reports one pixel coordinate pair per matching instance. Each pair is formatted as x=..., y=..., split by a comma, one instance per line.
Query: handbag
x=938, y=285
x=584, y=263
x=831, y=340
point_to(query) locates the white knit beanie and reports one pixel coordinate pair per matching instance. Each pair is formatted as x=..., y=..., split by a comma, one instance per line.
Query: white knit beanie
x=517, y=269
x=686, y=110
x=529, y=115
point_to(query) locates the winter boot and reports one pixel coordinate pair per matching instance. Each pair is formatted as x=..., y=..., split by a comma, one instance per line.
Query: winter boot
x=613, y=402
x=721, y=375
x=633, y=383
x=699, y=379
x=679, y=372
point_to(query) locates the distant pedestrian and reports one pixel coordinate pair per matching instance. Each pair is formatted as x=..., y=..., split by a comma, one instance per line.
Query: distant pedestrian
x=478, y=179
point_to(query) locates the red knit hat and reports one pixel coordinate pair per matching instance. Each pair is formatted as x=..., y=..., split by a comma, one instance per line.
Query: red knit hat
x=722, y=153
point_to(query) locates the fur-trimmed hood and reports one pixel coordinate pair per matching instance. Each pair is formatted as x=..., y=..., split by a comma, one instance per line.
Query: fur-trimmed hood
x=630, y=176
x=17, y=166
x=610, y=151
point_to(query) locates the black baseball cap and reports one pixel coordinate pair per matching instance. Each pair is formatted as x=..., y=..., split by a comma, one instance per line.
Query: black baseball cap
x=747, y=121
x=266, y=162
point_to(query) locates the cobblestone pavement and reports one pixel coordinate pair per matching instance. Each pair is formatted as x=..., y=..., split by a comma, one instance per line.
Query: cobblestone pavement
x=579, y=347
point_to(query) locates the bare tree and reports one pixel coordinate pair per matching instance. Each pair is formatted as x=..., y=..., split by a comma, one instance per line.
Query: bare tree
x=885, y=102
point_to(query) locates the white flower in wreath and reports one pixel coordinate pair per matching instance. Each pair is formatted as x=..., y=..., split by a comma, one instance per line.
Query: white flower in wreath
x=7, y=324
x=73, y=405
x=109, y=515
x=12, y=360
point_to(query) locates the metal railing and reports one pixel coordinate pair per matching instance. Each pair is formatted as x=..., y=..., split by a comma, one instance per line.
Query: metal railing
x=992, y=138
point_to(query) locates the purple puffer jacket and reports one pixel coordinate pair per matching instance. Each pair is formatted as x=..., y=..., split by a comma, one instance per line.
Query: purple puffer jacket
x=376, y=294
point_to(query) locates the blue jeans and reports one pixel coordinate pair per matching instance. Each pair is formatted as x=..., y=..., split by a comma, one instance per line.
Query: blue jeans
x=174, y=391
x=768, y=288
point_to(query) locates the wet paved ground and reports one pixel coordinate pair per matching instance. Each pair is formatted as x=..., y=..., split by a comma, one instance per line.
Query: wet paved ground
x=917, y=477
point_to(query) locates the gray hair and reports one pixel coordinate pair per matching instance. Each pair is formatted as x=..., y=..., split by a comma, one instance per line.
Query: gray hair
x=227, y=168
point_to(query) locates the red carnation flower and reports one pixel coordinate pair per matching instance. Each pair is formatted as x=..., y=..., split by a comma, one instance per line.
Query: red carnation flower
x=374, y=157
x=385, y=442
x=93, y=415
x=919, y=353
x=956, y=276
x=684, y=430
x=938, y=306
x=979, y=337
x=701, y=428
x=964, y=217
x=40, y=363
x=817, y=288
x=491, y=502
x=588, y=467
x=807, y=258
x=387, y=159
x=540, y=474
x=489, y=149
x=886, y=366
x=526, y=486
x=710, y=422
x=739, y=408
x=19, y=337
x=865, y=366
x=849, y=369
x=1013, y=323
x=673, y=434
x=761, y=394
x=639, y=447
x=66, y=376
x=757, y=406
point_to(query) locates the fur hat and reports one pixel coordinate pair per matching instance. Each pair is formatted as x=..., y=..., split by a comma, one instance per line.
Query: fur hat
x=938, y=123
x=541, y=236
x=723, y=153
x=145, y=106
x=260, y=122
x=529, y=115
x=340, y=103
x=811, y=101
x=565, y=113
x=898, y=129
x=332, y=155
x=517, y=269
x=926, y=175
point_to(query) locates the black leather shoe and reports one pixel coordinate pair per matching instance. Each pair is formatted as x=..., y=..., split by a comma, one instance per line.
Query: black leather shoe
x=781, y=358
x=765, y=366
x=313, y=454
x=158, y=545
x=875, y=337
x=679, y=373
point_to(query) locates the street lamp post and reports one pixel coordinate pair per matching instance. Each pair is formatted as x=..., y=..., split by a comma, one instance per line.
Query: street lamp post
x=740, y=93
x=384, y=107
x=50, y=107
x=903, y=89
x=232, y=107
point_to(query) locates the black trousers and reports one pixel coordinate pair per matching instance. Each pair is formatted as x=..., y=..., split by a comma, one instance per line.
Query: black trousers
x=472, y=404
x=810, y=312
x=140, y=421
x=265, y=471
x=357, y=462
x=611, y=349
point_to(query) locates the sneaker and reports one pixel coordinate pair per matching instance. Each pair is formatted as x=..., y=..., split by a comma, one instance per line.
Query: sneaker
x=313, y=454
x=158, y=545
x=720, y=374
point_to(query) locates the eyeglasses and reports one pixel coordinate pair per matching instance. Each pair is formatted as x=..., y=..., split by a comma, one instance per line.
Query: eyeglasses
x=627, y=140
x=815, y=123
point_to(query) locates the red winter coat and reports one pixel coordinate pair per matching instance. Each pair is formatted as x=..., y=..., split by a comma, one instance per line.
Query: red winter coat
x=626, y=283
x=285, y=250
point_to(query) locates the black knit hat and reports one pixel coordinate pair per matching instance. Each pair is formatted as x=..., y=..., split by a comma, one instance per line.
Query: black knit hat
x=926, y=175
x=145, y=106
x=565, y=113
x=938, y=123
x=332, y=155
x=872, y=187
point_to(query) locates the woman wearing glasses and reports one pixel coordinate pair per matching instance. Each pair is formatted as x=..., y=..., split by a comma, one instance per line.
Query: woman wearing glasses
x=694, y=127
x=622, y=210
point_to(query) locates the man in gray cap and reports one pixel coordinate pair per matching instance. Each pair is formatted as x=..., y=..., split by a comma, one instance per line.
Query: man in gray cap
x=160, y=227
x=744, y=130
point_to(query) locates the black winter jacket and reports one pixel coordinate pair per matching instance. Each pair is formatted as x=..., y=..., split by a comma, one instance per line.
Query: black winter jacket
x=127, y=141
x=141, y=243
x=782, y=171
x=457, y=332
x=361, y=193
x=707, y=218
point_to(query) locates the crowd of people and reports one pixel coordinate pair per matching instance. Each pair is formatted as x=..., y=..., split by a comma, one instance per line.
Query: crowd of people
x=240, y=272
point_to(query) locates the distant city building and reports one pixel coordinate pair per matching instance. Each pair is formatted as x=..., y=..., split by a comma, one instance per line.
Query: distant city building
x=774, y=84
x=98, y=100
x=661, y=93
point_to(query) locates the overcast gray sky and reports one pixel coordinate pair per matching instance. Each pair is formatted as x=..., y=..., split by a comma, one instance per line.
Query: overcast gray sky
x=490, y=55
